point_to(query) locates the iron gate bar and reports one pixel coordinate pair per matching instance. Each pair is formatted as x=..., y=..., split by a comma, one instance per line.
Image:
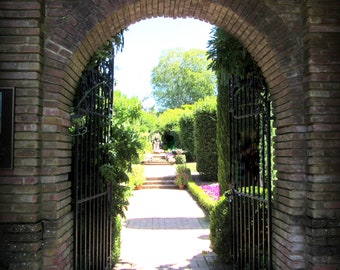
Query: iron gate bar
x=250, y=196
x=250, y=174
x=248, y=115
x=91, y=195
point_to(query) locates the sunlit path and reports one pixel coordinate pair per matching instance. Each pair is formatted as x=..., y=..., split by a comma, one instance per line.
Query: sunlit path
x=165, y=229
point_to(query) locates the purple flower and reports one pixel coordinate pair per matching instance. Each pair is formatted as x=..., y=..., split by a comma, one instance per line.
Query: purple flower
x=213, y=190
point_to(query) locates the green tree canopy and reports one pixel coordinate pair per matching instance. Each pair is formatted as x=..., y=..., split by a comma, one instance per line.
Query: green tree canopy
x=182, y=77
x=129, y=133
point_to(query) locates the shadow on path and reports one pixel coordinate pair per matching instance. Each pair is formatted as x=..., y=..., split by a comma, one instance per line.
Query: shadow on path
x=174, y=223
x=202, y=261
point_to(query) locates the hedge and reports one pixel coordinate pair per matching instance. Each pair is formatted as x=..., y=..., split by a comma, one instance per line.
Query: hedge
x=220, y=230
x=203, y=199
x=205, y=139
x=186, y=124
x=222, y=137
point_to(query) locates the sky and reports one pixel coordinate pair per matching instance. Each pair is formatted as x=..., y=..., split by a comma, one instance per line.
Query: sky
x=143, y=44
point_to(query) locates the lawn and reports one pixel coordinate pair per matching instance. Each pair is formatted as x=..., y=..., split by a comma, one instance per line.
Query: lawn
x=192, y=167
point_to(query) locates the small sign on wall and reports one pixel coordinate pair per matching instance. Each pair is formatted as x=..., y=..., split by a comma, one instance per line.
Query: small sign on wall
x=6, y=127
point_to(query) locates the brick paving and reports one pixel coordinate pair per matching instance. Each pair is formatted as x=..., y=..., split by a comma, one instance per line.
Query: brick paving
x=166, y=229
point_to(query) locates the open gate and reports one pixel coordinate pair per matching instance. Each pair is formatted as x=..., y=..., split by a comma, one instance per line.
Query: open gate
x=250, y=173
x=91, y=195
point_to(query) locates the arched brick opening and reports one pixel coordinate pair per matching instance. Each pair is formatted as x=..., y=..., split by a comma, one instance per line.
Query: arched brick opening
x=265, y=35
x=285, y=38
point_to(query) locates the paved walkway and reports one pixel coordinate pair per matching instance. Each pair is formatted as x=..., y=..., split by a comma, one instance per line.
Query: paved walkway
x=165, y=229
x=159, y=170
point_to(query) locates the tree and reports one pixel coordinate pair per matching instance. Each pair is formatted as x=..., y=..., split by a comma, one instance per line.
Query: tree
x=168, y=125
x=181, y=77
x=129, y=129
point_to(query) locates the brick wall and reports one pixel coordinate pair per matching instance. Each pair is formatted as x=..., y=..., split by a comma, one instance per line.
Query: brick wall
x=21, y=67
x=322, y=99
x=45, y=46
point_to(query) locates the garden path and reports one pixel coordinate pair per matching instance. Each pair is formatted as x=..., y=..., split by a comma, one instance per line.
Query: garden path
x=166, y=229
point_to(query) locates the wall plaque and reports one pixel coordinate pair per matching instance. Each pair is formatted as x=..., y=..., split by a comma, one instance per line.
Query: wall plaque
x=6, y=127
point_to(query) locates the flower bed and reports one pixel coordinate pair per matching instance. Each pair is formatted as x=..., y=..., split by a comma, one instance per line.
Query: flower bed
x=213, y=190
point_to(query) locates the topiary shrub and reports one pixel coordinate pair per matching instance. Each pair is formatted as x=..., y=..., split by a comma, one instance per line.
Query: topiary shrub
x=220, y=230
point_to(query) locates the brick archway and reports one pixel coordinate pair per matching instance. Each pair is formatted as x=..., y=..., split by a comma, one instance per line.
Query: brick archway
x=265, y=34
x=286, y=38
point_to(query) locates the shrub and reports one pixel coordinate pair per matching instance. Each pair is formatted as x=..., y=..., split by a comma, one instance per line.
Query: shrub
x=169, y=127
x=220, y=230
x=136, y=176
x=116, y=238
x=183, y=175
x=202, y=198
x=186, y=124
x=180, y=159
x=205, y=139
x=222, y=135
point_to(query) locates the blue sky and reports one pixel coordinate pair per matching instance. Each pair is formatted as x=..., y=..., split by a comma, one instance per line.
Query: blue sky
x=144, y=42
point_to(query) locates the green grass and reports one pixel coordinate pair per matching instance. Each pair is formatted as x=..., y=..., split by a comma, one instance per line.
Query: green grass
x=191, y=166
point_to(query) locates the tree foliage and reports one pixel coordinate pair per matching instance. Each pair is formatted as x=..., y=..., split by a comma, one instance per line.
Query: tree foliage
x=107, y=51
x=129, y=127
x=181, y=77
x=229, y=57
x=169, y=118
x=168, y=125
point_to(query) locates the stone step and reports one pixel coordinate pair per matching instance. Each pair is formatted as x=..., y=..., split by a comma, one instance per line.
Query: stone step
x=157, y=162
x=158, y=156
x=162, y=186
x=159, y=182
x=160, y=178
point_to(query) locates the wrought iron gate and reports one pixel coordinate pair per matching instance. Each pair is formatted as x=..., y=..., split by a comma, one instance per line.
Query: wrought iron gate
x=250, y=173
x=91, y=195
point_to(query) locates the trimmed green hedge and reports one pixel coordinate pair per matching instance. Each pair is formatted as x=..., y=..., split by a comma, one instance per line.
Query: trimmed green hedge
x=186, y=123
x=203, y=199
x=222, y=136
x=220, y=227
x=205, y=139
x=116, y=238
x=220, y=230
